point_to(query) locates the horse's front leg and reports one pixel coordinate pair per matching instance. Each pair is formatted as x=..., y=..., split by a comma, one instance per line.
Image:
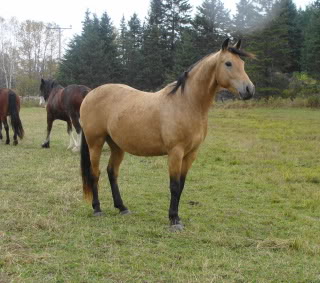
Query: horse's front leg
x=46, y=143
x=178, y=169
x=175, y=158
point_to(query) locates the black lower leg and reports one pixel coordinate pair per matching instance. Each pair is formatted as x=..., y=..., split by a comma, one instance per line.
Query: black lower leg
x=46, y=143
x=6, y=127
x=15, y=139
x=117, y=200
x=175, y=189
x=95, y=200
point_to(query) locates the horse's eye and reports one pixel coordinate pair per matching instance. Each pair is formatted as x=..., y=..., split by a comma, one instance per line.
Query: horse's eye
x=228, y=64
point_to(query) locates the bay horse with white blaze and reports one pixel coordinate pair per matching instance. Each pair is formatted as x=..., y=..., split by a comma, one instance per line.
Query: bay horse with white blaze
x=63, y=104
x=10, y=106
x=172, y=121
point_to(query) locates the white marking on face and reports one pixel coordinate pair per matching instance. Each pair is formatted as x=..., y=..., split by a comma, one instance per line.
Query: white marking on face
x=42, y=101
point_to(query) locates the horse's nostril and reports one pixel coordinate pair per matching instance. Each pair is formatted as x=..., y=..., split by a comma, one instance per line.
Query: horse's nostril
x=248, y=89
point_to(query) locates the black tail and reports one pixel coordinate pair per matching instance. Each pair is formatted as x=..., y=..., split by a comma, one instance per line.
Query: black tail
x=14, y=114
x=87, y=177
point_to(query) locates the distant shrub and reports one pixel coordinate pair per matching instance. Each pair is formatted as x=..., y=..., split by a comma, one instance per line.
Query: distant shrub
x=267, y=92
x=313, y=101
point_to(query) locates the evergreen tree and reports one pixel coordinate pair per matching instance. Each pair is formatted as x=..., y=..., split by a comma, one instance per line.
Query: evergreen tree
x=91, y=58
x=122, y=44
x=82, y=57
x=247, y=18
x=134, y=53
x=286, y=37
x=110, y=61
x=177, y=17
x=211, y=24
x=154, y=47
x=311, y=45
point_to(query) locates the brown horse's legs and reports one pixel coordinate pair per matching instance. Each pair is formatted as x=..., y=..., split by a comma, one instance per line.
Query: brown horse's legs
x=115, y=160
x=1, y=129
x=6, y=127
x=46, y=143
x=75, y=122
x=95, y=148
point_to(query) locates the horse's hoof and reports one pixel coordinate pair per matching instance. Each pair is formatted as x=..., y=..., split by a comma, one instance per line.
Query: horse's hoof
x=45, y=145
x=7, y=142
x=176, y=227
x=15, y=143
x=125, y=212
x=98, y=213
x=76, y=149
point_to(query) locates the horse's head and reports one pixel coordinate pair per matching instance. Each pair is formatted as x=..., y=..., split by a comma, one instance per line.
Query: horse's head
x=46, y=87
x=230, y=71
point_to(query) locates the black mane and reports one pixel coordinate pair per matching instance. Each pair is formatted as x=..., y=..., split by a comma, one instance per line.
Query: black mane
x=47, y=86
x=181, y=81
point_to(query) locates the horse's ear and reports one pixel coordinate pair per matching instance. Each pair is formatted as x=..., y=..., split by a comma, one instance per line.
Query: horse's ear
x=42, y=81
x=238, y=44
x=225, y=44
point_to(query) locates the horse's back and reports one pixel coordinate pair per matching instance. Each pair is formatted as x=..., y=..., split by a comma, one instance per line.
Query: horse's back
x=68, y=100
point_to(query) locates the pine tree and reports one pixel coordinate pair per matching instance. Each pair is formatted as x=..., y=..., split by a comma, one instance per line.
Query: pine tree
x=81, y=62
x=211, y=24
x=247, y=18
x=177, y=17
x=311, y=45
x=154, y=47
x=110, y=61
x=134, y=53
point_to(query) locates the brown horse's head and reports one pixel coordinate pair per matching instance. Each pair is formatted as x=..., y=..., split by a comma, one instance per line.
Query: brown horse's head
x=230, y=71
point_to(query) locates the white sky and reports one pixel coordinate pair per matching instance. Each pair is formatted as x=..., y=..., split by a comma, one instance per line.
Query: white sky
x=66, y=13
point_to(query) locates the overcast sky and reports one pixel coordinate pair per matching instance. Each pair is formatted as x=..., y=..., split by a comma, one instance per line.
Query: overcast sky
x=66, y=13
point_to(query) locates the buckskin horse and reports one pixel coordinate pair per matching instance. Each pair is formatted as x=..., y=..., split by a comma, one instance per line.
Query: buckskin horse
x=10, y=106
x=63, y=104
x=172, y=121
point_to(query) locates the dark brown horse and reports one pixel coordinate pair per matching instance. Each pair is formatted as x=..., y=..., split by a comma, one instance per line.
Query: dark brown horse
x=10, y=106
x=63, y=104
x=172, y=121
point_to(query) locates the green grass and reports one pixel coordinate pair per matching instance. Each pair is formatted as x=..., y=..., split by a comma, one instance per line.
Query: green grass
x=251, y=207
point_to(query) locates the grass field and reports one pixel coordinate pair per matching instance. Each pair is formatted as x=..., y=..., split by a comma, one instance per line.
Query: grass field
x=251, y=207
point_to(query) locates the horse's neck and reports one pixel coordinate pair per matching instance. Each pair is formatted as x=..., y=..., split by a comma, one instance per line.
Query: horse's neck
x=201, y=84
x=54, y=91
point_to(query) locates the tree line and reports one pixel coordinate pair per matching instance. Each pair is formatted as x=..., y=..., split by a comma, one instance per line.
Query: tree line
x=147, y=54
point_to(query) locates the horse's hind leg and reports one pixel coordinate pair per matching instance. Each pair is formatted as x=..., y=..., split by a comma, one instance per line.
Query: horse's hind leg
x=15, y=138
x=6, y=127
x=115, y=160
x=95, y=148
x=72, y=141
x=77, y=126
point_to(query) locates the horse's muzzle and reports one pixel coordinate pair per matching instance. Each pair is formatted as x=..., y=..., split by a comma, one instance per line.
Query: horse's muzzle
x=248, y=93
